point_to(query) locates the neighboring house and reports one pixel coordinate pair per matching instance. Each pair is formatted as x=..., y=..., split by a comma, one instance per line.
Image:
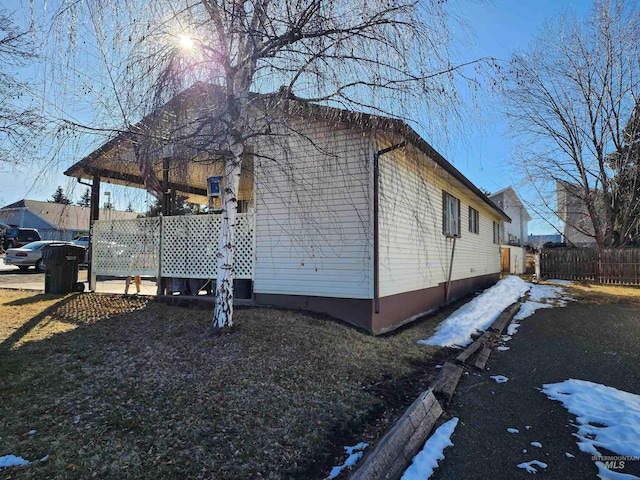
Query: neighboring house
x=538, y=241
x=54, y=221
x=572, y=211
x=513, y=235
x=353, y=215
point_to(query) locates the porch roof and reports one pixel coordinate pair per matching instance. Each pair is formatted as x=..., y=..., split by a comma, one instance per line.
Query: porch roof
x=116, y=160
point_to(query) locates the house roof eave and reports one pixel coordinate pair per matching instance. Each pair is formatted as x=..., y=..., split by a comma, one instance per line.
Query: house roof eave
x=514, y=197
x=427, y=149
x=295, y=106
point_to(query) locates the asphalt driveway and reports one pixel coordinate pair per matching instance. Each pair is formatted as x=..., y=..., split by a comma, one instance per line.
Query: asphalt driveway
x=586, y=341
x=31, y=279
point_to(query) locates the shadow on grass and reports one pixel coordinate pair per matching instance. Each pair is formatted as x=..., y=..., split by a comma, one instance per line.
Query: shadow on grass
x=32, y=300
x=75, y=309
x=286, y=391
x=26, y=327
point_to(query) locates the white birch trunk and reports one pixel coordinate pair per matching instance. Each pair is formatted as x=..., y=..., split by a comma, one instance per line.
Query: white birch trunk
x=223, y=313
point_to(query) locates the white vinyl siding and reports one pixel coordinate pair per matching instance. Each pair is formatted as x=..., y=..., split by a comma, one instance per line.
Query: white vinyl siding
x=414, y=253
x=313, y=217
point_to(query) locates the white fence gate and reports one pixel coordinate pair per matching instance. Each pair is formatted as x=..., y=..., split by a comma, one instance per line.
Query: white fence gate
x=171, y=247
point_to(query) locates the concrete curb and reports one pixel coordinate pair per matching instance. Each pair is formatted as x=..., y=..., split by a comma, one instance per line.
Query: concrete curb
x=395, y=451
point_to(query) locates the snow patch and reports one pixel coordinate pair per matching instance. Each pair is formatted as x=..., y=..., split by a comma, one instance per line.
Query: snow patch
x=529, y=308
x=426, y=461
x=606, y=417
x=355, y=453
x=605, y=474
x=512, y=329
x=536, y=444
x=546, y=293
x=540, y=296
x=499, y=378
x=12, y=460
x=531, y=466
x=478, y=314
x=513, y=430
x=595, y=405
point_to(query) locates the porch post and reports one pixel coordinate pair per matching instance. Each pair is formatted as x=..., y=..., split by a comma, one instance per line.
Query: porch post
x=166, y=210
x=93, y=216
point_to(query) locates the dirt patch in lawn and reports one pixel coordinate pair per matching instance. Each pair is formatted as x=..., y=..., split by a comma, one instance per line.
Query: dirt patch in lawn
x=124, y=387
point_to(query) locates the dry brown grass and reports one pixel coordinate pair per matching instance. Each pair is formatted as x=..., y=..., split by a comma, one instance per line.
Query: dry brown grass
x=122, y=387
x=604, y=294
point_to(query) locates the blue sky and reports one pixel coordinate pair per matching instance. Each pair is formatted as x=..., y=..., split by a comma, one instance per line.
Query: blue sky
x=500, y=26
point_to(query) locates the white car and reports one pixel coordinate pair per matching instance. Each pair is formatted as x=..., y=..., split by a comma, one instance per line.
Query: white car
x=82, y=241
x=30, y=255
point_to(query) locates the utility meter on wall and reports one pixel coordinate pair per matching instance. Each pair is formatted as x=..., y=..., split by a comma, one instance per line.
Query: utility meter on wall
x=214, y=194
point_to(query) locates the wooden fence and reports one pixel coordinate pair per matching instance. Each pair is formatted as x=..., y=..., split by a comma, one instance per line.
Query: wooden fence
x=608, y=266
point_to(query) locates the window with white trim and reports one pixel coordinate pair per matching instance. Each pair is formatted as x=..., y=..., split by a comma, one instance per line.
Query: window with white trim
x=496, y=232
x=450, y=215
x=474, y=220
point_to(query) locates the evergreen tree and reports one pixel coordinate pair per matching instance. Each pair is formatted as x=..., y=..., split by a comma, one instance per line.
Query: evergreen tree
x=625, y=163
x=182, y=207
x=60, y=197
x=85, y=200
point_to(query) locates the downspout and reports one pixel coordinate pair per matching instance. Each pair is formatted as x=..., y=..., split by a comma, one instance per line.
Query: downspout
x=376, y=222
x=522, y=235
x=448, y=284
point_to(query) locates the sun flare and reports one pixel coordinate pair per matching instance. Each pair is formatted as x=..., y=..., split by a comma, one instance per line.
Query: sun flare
x=186, y=42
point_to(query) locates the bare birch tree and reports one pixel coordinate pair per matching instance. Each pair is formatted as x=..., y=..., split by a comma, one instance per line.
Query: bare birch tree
x=375, y=56
x=570, y=96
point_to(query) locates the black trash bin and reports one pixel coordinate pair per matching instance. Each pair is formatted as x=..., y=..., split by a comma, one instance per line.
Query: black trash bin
x=61, y=263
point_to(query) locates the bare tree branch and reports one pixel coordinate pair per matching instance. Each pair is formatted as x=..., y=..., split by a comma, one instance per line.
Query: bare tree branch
x=568, y=97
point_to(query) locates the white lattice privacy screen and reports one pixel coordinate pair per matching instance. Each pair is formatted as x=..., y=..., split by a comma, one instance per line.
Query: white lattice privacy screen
x=189, y=245
x=126, y=247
